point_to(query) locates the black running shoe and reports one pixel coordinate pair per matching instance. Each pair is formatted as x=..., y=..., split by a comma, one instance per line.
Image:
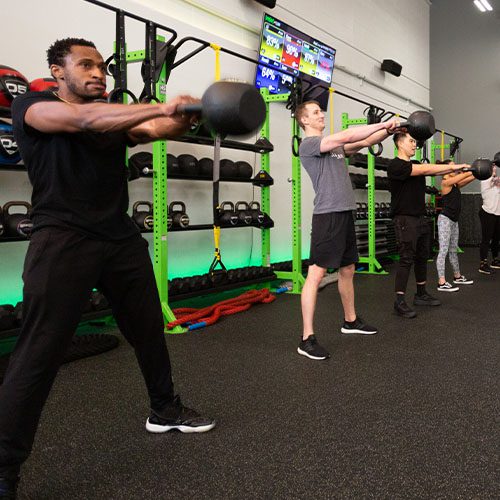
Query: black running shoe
x=425, y=300
x=485, y=268
x=8, y=488
x=495, y=264
x=312, y=349
x=404, y=310
x=178, y=417
x=358, y=326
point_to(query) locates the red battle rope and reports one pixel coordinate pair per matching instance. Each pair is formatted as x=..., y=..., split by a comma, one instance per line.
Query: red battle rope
x=198, y=318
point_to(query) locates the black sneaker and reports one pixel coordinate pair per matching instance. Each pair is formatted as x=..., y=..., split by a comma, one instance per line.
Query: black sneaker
x=8, y=488
x=447, y=287
x=425, y=300
x=462, y=280
x=312, y=349
x=178, y=417
x=485, y=268
x=495, y=264
x=403, y=309
x=358, y=326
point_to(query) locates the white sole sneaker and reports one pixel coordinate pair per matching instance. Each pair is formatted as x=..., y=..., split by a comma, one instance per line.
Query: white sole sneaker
x=304, y=353
x=186, y=429
x=355, y=330
x=468, y=282
x=452, y=289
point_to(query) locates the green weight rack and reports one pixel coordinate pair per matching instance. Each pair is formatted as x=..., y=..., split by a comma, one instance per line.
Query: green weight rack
x=374, y=266
x=295, y=276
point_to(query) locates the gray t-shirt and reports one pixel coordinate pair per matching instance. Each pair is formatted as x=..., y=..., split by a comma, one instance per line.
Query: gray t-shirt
x=329, y=177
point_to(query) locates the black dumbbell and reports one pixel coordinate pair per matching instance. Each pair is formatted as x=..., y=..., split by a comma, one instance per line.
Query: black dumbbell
x=206, y=167
x=242, y=210
x=188, y=165
x=179, y=217
x=143, y=218
x=244, y=169
x=256, y=213
x=17, y=224
x=227, y=215
x=2, y=229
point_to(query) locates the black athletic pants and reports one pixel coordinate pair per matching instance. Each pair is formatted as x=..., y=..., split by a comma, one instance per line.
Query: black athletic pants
x=413, y=235
x=60, y=270
x=490, y=230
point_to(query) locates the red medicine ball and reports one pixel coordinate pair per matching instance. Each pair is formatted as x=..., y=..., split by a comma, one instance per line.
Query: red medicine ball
x=12, y=84
x=41, y=84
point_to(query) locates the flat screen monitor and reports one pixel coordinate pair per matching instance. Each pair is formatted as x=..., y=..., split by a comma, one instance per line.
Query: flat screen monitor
x=286, y=53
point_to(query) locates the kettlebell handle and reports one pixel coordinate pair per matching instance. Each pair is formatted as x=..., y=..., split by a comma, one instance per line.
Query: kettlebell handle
x=10, y=204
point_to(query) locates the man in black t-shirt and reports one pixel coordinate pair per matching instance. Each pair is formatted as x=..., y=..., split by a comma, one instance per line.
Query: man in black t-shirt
x=407, y=186
x=74, y=152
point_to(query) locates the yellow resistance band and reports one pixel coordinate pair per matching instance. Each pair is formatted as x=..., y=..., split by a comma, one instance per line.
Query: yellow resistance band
x=331, y=90
x=216, y=48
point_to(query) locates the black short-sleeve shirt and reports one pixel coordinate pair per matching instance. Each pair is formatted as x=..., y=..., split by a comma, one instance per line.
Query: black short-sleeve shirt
x=407, y=192
x=79, y=179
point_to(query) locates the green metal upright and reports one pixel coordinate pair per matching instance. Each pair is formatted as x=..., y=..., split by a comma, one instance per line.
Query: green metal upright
x=295, y=276
x=374, y=266
x=160, y=203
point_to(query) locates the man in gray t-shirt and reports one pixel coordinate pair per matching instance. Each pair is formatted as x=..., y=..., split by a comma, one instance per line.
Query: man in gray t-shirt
x=333, y=236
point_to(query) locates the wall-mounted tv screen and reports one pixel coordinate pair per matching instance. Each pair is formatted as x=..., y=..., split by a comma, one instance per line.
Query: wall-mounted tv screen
x=286, y=53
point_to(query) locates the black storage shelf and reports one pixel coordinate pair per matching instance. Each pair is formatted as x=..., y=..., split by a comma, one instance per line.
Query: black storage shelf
x=204, y=227
x=251, y=180
x=226, y=143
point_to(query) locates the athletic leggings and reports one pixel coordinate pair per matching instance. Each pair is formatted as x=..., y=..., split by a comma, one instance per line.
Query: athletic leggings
x=448, y=244
x=490, y=229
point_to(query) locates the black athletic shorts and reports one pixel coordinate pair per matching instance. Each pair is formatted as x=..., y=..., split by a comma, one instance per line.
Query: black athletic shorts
x=333, y=240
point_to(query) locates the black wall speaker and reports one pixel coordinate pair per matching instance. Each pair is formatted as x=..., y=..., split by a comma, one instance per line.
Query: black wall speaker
x=268, y=3
x=391, y=67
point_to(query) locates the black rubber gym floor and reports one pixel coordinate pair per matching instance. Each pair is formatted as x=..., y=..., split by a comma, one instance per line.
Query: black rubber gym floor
x=409, y=413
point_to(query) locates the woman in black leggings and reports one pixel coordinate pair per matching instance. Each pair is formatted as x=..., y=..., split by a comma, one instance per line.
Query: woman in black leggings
x=489, y=215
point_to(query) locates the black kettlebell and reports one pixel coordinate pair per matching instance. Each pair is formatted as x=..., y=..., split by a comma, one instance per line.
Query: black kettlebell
x=206, y=167
x=17, y=224
x=420, y=125
x=242, y=209
x=244, y=169
x=179, y=217
x=143, y=218
x=256, y=213
x=482, y=169
x=227, y=215
x=188, y=165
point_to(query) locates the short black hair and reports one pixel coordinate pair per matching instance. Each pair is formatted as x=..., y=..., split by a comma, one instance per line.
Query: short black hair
x=398, y=136
x=61, y=48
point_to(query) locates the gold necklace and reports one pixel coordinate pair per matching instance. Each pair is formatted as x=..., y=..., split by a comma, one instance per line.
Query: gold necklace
x=59, y=97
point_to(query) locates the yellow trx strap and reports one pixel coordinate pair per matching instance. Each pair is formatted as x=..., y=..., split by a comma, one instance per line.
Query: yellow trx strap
x=331, y=90
x=216, y=48
x=442, y=145
x=217, y=242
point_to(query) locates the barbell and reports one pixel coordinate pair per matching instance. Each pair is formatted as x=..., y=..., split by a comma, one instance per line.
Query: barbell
x=234, y=108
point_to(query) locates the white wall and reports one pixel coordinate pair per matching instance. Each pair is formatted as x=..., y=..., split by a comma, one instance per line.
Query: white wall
x=363, y=31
